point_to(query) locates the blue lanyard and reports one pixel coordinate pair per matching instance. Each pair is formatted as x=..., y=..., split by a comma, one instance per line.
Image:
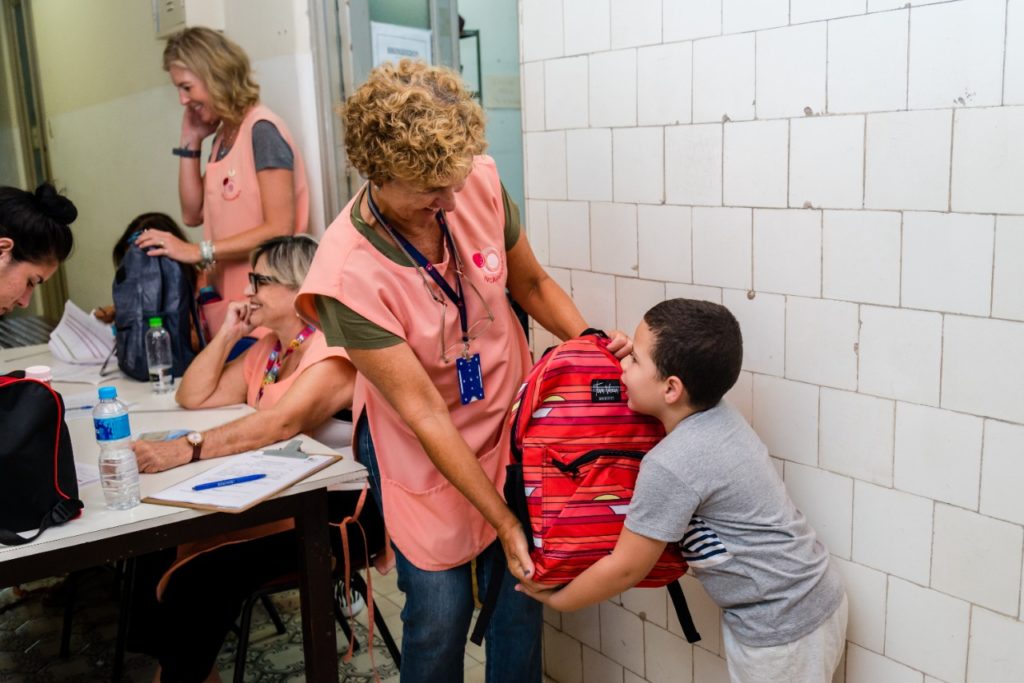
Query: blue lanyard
x=420, y=261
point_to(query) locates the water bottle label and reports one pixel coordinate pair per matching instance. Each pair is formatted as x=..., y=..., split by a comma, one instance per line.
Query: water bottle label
x=112, y=428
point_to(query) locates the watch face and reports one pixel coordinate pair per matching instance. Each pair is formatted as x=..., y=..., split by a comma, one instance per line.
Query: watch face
x=194, y=438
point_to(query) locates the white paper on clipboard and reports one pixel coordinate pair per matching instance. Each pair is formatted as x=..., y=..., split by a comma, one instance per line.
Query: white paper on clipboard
x=281, y=472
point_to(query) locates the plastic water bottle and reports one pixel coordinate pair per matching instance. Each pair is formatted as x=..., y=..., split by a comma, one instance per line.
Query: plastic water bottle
x=158, y=357
x=119, y=473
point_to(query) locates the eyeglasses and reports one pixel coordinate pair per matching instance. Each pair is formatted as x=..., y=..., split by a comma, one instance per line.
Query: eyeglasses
x=475, y=329
x=257, y=279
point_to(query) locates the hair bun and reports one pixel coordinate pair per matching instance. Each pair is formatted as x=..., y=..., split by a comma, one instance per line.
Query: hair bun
x=55, y=205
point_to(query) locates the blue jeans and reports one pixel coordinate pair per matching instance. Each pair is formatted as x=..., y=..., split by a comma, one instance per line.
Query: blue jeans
x=439, y=607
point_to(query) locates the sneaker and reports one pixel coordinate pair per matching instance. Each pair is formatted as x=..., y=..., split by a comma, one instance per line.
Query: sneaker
x=357, y=606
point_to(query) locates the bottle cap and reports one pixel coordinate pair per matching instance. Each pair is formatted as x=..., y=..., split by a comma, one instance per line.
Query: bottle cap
x=39, y=372
x=107, y=392
x=156, y=322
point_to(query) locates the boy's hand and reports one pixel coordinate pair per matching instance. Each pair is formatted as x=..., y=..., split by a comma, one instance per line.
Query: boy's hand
x=620, y=345
x=542, y=594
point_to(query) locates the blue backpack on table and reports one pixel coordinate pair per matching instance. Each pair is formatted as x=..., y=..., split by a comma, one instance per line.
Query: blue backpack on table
x=144, y=287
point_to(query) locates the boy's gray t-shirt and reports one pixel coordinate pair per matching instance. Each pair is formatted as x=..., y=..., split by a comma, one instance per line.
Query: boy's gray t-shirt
x=711, y=486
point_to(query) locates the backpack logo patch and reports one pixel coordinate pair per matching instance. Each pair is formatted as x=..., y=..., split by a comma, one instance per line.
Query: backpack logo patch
x=605, y=391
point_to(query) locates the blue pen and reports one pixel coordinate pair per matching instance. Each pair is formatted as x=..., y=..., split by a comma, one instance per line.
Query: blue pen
x=227, y=482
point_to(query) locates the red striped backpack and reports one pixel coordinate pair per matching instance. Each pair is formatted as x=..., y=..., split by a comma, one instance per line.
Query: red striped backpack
x=576, y=452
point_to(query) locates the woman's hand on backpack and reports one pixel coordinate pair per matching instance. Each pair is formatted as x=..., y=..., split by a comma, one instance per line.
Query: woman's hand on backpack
x=162, y=243
x=620, y=345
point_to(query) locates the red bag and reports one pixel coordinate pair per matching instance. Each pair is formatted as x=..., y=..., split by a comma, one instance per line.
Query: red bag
x=576, y=452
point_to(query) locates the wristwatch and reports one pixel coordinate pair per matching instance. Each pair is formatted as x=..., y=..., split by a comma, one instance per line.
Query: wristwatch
x=196, y=439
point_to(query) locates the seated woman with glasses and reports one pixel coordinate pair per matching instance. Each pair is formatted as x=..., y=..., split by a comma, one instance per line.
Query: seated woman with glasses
x=411, y=279
x=297, y=383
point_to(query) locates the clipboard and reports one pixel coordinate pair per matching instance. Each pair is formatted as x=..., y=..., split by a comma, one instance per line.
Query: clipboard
x=282, y=471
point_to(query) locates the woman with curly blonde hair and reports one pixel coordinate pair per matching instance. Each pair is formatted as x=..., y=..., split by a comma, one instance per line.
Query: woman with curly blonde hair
x=254, y=185
x=411, y=279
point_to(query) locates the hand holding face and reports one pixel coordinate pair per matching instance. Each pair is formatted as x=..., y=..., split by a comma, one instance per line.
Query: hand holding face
x=157, y=456
x=162, y=243
x=194, y=130
x=237, y=321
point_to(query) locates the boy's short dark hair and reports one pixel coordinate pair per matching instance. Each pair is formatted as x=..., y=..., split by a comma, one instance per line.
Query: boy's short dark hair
x=700, y=343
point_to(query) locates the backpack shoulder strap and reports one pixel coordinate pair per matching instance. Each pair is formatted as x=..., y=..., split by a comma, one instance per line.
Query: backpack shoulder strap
x=61, y=512
x=675, y=591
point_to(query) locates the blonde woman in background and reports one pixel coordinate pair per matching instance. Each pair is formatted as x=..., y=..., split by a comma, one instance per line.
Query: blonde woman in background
x=254, y=185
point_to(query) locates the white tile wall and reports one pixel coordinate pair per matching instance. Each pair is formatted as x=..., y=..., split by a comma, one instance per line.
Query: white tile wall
x=812, y=10
x=723, y=78
x=1013, y=86
x=1002, y=471
x=748, y=15
x=592, y=293
x=589, y=164
x=545, y=165
x=787, y=251
x=907, y=160
x=791, y=71
x=664, y=87
x=864, y=666
x=686, y=19
x=900, y=354
x=965, y=541
x=988, y=158
x=532, y=75
x=861, y=256
x=639, y=168
x=693, y=165
x=636, y=22
x=667, y=658
x=721, y=247
x=755, y=158
x=938, y=454
x=599, y=669
x=588, y=24
x=856, y=435
x=867, y=63
x=541, y=30
x=613, y=88
x=927, y=630
x=786, y=418
x=983, y=367
x=884, y=343
x=821, y=338
x=947, y=262
x=904, y=551
x=613, y=238
x=536, y=226
x=826, y=500
x=633, y=298
x=826, y=162
x=565, y=93
x=622, y=636
x=664, y=243
x=866, y=594
x=1008, y=275
x=763, y=326
x=563, y=656
x=569, y=234
x=995, y=654
x=956, y=54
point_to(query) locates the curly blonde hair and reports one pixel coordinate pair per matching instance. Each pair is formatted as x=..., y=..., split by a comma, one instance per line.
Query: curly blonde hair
x=413, y=122
x=221, y=64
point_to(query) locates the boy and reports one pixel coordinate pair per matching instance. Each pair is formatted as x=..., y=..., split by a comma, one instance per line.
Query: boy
x=710, y=486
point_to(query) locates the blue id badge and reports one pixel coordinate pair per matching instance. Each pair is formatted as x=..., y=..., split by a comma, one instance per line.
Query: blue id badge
x=471, y=379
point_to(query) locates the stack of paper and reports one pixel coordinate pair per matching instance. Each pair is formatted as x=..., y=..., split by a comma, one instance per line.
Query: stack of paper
x=80, y=338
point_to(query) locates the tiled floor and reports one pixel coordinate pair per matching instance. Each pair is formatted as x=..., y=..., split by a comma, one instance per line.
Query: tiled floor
x=30, y=628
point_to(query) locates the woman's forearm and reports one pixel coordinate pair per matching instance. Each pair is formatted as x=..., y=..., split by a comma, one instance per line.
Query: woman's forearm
x=190, y=190
x=203, y=375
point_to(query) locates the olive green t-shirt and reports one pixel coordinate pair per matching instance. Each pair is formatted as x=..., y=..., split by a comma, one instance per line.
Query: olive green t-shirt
x=344, y=327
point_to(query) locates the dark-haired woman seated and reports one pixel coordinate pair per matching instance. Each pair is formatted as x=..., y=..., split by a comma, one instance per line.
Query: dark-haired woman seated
x=34, y=240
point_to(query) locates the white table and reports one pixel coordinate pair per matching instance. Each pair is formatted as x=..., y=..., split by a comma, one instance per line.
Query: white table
x=101, y=535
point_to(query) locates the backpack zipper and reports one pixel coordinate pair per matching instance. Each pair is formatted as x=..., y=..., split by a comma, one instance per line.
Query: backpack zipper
x=573, y=467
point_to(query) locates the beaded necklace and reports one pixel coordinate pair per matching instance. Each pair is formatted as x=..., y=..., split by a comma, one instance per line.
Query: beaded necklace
x=276, y=359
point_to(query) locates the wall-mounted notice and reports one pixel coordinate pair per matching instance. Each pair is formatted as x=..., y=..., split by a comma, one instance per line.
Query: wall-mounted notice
x=392, y=42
